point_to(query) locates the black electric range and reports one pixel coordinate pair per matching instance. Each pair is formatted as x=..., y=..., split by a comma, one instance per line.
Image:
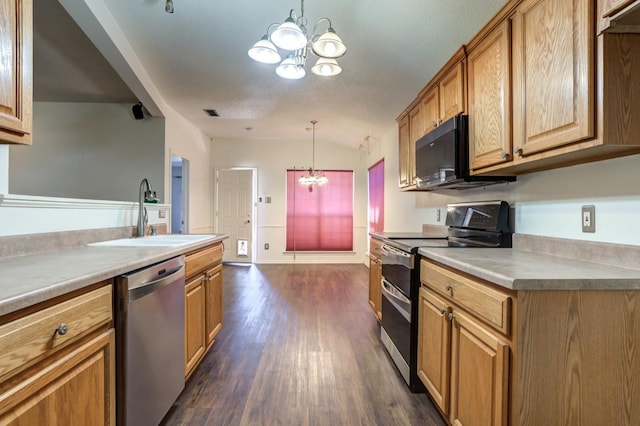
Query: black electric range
x=480, y=225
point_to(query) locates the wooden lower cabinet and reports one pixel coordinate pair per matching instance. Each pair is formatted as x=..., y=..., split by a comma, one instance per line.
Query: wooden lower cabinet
x=492, y=356
x=479, y=373
x=434, y=347
x=203, y=303
x=463, y=364
x=375, y=287
x=375, y=277
x=67, y=376
x=195, y=345
x=78, y=389
x=213, y=297
x=463, y=360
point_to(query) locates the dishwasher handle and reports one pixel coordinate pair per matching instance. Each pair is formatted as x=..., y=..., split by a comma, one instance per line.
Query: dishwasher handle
x=149, y=287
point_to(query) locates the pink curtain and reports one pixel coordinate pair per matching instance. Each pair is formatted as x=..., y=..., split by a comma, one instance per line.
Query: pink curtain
x=376, y=197
x=320, y=220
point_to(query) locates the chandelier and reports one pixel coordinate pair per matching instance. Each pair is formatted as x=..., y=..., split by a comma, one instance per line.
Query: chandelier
x=291, y=37
x=313, y=176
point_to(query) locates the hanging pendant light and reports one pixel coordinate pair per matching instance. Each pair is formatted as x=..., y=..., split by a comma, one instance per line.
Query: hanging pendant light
x=313, y=176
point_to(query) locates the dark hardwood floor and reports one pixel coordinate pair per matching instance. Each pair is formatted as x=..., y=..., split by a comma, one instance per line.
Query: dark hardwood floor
x=299, y=345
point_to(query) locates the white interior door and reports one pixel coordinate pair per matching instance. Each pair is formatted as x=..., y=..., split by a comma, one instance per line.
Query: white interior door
x=235, y=213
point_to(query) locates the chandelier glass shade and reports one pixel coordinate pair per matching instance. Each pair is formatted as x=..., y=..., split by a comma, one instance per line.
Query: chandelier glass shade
x=292, y=38
x=313, y=176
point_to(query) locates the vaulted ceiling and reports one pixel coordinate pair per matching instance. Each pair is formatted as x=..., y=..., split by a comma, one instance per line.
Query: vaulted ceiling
x=197, y=58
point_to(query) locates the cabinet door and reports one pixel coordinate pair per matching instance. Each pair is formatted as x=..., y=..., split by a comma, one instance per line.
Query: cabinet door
x=76, y=389
x=214, y=303
x=403, y=154
x=479, y=374
x=416, y=131
x=430, y=110
x=194, y=322
x=490, y=99
x=452, y=95
x=553, y=74
x=16, y=71
x=610, y=7
x=375, y=291
x=434, y=333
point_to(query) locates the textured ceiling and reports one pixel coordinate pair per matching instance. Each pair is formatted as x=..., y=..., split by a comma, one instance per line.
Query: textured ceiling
x=197, y=58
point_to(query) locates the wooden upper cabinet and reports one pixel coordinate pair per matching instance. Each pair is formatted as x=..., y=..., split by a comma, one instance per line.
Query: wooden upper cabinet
x=489, y=80
x=611, y=7
x=430, y=110
x=451, y=88
x=403, y=154
x=553, y=74
x=16, y=72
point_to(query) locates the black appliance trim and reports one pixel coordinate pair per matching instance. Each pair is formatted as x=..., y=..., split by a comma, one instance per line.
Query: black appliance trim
x=461, y=178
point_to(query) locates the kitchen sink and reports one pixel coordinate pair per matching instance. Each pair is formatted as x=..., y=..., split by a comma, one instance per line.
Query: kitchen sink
x=172, y=240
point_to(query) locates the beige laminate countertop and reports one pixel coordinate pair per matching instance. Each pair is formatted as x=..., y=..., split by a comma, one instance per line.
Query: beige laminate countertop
x=523, y=270
x=27, y=280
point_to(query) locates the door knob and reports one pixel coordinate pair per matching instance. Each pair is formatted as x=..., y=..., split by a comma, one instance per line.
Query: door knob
x=248, y=221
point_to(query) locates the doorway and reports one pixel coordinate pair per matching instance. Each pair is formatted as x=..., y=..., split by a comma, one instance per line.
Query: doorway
x=235, y=211
x=179, y=195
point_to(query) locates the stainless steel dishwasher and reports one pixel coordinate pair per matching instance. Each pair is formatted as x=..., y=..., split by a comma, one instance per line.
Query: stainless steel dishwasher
x=149, y=342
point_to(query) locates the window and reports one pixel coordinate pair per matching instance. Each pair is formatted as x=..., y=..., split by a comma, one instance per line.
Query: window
x=322, y=219
x=376, y=197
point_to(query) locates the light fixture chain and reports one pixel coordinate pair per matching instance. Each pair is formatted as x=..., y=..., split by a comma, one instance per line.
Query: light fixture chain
x=313, y=154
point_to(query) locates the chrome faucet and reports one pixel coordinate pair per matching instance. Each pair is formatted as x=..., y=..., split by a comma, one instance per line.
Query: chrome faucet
x=145, y=193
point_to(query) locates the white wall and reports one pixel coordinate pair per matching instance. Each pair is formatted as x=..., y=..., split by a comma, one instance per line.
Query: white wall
x=272, y=159
x=546, y=203
x=4, y=169
x=185, y=140
x=89, y=151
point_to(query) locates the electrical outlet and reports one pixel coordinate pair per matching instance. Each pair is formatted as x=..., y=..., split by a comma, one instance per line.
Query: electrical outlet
x=588, y=218
x=438, y=215
x=266, y=246
x=162, y=214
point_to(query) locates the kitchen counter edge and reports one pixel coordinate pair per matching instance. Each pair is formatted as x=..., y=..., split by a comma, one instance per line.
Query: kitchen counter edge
x=516, y=269
x=28, y=280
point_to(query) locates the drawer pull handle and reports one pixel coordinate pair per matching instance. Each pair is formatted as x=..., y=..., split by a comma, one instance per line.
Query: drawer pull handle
x=442, y=311
x=447, y=287
x=61, y=330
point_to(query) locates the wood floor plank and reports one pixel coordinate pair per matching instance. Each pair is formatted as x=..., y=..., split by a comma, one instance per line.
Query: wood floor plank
x=299, y=345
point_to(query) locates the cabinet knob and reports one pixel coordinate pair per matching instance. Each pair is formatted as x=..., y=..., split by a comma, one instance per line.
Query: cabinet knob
x=435, y=124
x=504, y=154
x=442, y=311
x=447, y=287
x=450, y=316
x=439, y=121
x=61, y=330
x=517, y=150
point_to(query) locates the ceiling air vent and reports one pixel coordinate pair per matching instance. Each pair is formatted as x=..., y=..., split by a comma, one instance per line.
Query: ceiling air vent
x=211, y=112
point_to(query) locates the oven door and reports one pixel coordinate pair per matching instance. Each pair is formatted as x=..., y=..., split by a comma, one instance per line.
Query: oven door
x=396, y=327
x=397, y=266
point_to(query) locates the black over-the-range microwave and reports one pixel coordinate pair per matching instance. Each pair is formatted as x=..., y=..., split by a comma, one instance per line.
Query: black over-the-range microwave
x=442, y=159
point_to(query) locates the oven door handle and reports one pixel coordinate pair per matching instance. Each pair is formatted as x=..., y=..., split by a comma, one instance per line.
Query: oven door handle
x=392, y=250
x=392, y=293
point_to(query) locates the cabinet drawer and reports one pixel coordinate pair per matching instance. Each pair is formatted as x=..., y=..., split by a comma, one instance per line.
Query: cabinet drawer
x=487, y=303
x=203, y=259
x=375, y=248
x=35, y=335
